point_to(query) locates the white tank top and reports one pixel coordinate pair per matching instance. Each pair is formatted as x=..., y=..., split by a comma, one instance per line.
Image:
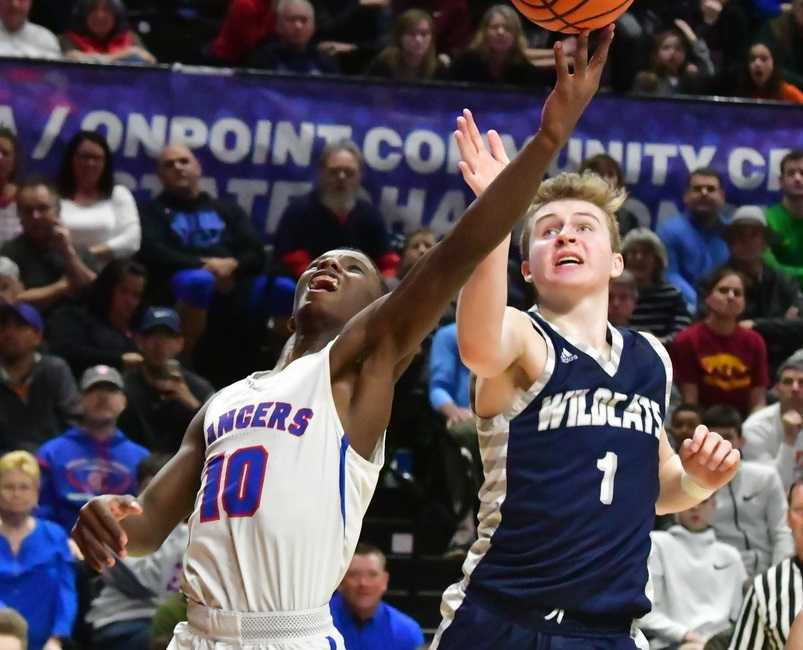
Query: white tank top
x=283, y=494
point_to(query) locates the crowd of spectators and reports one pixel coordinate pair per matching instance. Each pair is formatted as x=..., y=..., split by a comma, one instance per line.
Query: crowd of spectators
x=739, y=48
x=119, y=319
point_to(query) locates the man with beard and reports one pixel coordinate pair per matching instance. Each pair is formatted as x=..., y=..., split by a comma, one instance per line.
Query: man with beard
x=333, y=215
x=693, y=239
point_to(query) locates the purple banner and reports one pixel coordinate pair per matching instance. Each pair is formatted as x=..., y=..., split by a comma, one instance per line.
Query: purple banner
x=258, y=136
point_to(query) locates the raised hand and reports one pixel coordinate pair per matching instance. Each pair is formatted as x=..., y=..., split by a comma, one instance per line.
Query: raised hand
x=709, y=459
x=573, y=92
x=98, y=532
x=478, y=164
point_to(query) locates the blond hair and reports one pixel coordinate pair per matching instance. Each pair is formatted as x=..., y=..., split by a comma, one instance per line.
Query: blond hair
x=22, y=461
x=12, y=624
x=588, y=187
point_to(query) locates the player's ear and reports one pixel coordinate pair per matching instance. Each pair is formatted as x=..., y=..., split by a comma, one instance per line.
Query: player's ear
x=617, y=265
x=525, y=271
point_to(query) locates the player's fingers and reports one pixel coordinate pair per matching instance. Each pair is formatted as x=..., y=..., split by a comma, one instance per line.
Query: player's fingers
x=603, y=47
x=581, y=58
x=123, y=506
x=105, y=513
x=105, y=530
x=710, y=443
x=561, y=64
x=467, y=151
x=698, y=438
x=497, y=147
x=685, y=451
x=731, y=462
x=96, y=555
x=473, y=131
x=719, y=454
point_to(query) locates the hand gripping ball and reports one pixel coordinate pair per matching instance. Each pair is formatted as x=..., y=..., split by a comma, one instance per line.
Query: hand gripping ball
x=572, y=16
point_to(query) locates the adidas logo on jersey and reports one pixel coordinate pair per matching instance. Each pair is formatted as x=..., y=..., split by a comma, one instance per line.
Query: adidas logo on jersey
x=567, y=357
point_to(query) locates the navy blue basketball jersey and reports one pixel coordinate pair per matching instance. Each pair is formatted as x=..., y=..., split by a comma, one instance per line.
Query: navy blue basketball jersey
x=571, y=481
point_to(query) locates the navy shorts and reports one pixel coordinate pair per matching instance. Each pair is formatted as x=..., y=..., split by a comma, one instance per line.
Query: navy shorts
x=477, y=627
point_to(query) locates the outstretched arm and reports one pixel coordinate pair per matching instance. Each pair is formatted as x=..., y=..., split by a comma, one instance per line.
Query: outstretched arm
x=391, y=329
x=120, y=525
x=487, y=334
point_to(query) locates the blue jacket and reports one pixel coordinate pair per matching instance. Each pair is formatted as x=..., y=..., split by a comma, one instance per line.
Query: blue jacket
x=39, y=582
x=448, y=377
x=76, y=468
x=693, y=253
x=389, y=629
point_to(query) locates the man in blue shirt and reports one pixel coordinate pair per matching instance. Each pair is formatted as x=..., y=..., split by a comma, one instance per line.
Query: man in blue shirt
x=449, y=378
x=359, y=614
x=93, y=458
x=694, y=240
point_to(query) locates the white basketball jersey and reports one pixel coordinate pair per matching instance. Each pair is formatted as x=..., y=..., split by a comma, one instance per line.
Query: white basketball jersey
x=282, y=495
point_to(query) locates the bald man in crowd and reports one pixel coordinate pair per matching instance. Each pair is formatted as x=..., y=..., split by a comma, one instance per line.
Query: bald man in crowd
x=201, y=252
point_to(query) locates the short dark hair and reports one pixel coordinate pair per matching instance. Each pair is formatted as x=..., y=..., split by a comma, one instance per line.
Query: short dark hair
x=150, y=465
x=722, y=416
x=37, y=180
x=364, y=548
x=67, y=182
x=716, y=277
x=709, y=172
x=690, y=408
x=85, y=7
x=603, y=164
x=795, y=154
x=14, y=625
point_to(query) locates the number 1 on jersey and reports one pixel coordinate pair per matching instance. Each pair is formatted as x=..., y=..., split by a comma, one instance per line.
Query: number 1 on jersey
x=607, y=465
x=241, y=483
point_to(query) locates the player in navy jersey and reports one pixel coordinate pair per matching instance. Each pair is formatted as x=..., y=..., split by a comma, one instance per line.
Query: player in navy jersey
x=277, y=470
x=570, y=421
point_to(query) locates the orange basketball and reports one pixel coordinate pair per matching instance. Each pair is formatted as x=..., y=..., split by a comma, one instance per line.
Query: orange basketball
x=572, y=16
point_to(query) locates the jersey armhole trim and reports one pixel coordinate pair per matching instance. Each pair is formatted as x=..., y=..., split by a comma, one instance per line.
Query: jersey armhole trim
x=663, y=355
x=524, y=398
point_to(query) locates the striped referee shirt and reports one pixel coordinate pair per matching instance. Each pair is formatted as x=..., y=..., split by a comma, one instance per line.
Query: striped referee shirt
x=769, y=608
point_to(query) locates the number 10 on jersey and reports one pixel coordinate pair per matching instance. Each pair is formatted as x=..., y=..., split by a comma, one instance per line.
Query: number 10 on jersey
x=235, y=481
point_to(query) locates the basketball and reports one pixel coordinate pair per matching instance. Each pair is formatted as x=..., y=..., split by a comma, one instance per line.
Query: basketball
x=572, y=16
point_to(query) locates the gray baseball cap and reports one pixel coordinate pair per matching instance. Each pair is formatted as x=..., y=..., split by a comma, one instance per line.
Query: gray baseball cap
x=101, y=375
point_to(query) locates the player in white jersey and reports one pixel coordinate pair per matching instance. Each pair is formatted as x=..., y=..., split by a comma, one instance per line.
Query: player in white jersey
x=277, y=470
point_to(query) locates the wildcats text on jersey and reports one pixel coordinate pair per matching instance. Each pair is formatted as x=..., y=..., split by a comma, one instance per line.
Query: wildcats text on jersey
x=279, y=416
x=572, y=409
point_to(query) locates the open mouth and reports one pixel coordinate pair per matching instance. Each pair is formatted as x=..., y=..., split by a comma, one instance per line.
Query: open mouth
x=323, y=282
x=568, y=261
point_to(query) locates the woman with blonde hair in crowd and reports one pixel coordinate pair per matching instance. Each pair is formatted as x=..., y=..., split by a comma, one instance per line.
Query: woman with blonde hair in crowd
x=412, y=54
x=37, y=577
x=498, y=52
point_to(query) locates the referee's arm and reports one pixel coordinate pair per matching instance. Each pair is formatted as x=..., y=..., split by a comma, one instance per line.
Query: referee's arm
x=749, y=633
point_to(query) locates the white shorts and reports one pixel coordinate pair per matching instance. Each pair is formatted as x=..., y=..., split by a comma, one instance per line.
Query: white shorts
x=215, y=629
